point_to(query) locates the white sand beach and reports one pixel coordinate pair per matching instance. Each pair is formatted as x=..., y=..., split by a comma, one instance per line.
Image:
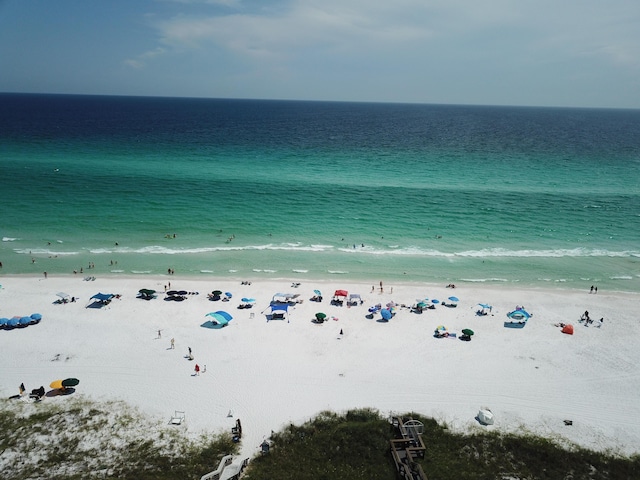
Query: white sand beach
x=271, y=373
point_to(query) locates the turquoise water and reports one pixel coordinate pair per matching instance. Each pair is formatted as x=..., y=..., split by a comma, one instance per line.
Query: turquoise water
x=306, y=190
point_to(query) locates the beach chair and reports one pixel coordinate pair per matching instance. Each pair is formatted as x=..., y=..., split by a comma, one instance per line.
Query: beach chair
x=177, y=418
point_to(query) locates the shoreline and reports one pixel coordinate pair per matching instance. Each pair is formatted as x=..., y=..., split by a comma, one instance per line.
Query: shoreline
x=337, y=279
x=270, y=373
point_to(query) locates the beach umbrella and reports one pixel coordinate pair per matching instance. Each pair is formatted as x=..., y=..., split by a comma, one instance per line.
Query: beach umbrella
x=36, y=316
x=216, y=292
x=422, y=304
x=24, y=321
x=484, y=305
x=321, y=315
x=56, y=384
x=441, y=328
x=467, y=331
x=172, y=292
x=318, y=293
x=228, y=294
x=248, y=300
x=146, y=291
x=4, y=321
x=13, y=322
x=435, y=301
x=70, y=382
x=386, y=314
x=182, y=292
x=454, y=299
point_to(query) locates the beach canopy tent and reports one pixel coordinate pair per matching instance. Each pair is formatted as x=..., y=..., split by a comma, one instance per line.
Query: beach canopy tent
x=63, y=296
x=279, y=312
x=99, y=300
x=284, y=297
x=481, y=309
x=103, y=297
x=341, y=293
x=354, y=298
x=568, y=329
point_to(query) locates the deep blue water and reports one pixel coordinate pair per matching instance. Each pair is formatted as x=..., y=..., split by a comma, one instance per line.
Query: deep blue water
x=535, y=196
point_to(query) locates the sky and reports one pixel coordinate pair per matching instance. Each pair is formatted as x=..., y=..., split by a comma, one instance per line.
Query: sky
x=573, y=53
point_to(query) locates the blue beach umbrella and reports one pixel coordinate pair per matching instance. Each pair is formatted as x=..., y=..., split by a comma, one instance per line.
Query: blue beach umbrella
x=24, y=321
x=228, y=294
x=13, y=322
x=4, y=321
x=454, y=299
x=386, y=314
x=36, y=316
x=435, y=301
x=318, y=293
x=248, y=300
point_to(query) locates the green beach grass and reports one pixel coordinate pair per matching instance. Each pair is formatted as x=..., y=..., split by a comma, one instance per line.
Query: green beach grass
x=81, y=439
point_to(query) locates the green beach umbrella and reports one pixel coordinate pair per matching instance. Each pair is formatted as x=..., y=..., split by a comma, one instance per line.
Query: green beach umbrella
x=70, y=382
x=321, y=316
x=467, y=331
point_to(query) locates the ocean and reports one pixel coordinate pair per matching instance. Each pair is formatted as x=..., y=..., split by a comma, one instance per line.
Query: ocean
x=249, y=189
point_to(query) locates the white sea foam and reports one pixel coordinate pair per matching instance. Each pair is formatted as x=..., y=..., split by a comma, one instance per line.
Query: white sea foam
x=621, y=277
x=9, y=239
x=481, y=280
x=300, y=271
x=117, y=271
x=337, y=272
x=141, y=272
x=206, y=271
x=42, y=251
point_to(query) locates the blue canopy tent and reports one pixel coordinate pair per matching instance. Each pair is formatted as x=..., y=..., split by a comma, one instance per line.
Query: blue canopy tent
x=103, y=297
x=279, y=312
x=100, y=300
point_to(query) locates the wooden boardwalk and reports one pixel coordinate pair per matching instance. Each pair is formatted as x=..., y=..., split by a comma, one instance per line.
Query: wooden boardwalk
x=407, y=447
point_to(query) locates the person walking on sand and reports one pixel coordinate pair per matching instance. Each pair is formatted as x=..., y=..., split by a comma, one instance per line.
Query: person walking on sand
x=381, y=289
x=197, y=369
x=159, y=333
x=173, y=345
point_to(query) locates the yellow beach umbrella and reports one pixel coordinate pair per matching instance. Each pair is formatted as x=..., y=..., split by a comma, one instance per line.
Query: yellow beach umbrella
x=56, y=385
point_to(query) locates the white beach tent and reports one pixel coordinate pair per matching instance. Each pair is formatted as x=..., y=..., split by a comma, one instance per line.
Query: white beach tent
x=485, y=416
